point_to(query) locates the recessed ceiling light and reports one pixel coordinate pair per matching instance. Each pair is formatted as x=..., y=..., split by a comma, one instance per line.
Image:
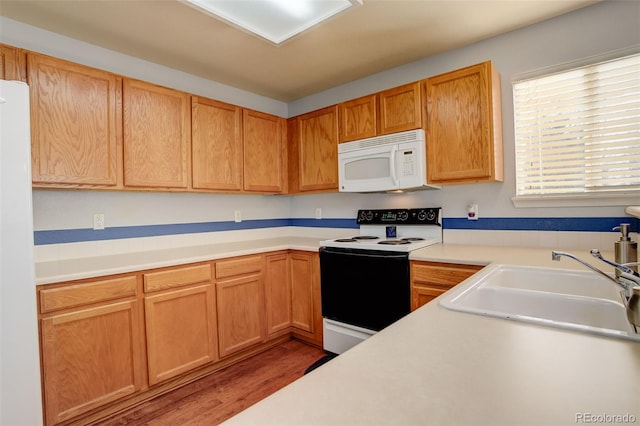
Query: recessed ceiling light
x=273, y=20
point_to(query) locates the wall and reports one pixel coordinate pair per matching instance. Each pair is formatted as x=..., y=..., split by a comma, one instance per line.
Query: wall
x=38, y=40
x=593, y=30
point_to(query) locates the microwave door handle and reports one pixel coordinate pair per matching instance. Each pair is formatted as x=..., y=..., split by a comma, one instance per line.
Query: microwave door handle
x=392, y=164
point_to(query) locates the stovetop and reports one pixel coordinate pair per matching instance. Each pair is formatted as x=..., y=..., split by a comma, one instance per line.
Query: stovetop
x=399, y=230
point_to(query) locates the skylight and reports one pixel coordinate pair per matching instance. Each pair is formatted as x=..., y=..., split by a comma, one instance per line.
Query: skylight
x=273, y=20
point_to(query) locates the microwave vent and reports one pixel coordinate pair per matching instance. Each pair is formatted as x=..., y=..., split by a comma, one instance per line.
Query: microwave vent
x=391, y=139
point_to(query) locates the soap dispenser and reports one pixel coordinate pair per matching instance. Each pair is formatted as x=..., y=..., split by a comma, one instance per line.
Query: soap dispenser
x=626, y=250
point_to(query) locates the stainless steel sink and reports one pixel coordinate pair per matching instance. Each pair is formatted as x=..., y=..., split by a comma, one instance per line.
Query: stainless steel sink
x=570, y=299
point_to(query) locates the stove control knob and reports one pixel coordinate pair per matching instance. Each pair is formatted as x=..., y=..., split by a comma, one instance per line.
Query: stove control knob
x=366, y=216
x=422, y=215
x=431, y=215
x=403, y=215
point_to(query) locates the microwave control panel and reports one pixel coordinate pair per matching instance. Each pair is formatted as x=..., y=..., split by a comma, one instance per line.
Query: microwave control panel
x=408, y=163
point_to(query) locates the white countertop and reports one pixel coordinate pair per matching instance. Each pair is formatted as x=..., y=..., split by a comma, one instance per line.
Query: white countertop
x=434, y=366
x=90, y=267
x=439, y=367
x=484, y=255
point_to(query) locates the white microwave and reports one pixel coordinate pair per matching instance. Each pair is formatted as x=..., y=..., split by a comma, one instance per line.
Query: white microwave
x=396, y=162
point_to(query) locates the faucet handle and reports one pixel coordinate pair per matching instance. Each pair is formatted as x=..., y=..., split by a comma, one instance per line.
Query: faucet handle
x=621, y=268
x=633, y=306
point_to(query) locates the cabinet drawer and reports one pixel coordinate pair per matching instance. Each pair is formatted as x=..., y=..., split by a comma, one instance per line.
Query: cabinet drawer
x=161, y=280
x=239, y=266
x=423, y=294
x=83, y=294
x=442, y=273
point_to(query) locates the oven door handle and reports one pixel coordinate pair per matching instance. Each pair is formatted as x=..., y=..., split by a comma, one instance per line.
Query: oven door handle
x=365, y=253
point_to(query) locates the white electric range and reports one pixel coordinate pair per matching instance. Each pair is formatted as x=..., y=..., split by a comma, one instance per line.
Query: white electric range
x=398, y=230
x=365, y=279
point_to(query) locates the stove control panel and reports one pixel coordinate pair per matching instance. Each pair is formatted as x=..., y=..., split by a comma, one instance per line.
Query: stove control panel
x=421, y=216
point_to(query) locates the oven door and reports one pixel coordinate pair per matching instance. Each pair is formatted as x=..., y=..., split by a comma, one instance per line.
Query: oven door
x=364, y=288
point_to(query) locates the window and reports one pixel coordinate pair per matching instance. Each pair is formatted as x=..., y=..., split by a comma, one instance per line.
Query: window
x=578, y=132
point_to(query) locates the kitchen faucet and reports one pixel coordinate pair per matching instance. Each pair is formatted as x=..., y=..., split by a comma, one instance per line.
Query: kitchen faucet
x=631, y=294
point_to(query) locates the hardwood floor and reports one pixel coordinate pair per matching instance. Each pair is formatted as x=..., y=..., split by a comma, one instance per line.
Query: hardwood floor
x=219, y=396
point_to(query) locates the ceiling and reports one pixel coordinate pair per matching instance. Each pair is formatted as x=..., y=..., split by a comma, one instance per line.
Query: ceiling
x=379, y=35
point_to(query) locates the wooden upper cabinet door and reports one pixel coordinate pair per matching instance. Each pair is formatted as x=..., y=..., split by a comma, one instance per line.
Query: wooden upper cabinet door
x=216, y=145
x=157, y=136
x=12, y=63
x=75, y=122
x=264, y=152
x=464, y=130
x=318, y=150
x=400, y=109
x=358, y=118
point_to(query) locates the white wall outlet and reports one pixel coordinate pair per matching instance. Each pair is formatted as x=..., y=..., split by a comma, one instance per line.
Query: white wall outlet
x=98, y=221
x=472, y=212
x=318, y=213
x=237, y=216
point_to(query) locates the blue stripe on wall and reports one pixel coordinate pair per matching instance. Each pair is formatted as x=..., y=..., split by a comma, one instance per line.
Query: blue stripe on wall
x=582, y=224
x=87, y=234
x=325, y=223
x=593, y=224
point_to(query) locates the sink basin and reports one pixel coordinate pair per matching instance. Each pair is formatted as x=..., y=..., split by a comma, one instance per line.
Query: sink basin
x=570, y=299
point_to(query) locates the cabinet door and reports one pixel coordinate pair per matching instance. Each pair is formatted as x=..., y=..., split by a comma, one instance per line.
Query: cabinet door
x=400, y=109
x=12, y=63
x=216, y=145
x=306, y=301
x=277, y=292
x=264, y=152
x=431, y=279
x=316, y=150
x=75, y=123
x=464, y=131
x=302, y=291
x=89, y=358
x=180, y=328
x=422, y=294
x=157, y=135
x=358, y=118
x=240, y=308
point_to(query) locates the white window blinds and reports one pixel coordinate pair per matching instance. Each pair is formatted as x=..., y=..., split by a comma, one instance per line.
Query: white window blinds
x=578, y=131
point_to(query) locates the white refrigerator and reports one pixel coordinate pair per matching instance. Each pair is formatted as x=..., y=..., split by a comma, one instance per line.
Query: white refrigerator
x=20, y=394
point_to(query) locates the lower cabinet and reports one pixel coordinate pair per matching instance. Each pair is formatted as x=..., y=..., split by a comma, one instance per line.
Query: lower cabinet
x=277, y=292
x=292, y=295
x=91, y=345
x=98, y=335
x=431, y=279
x=306, y=308
x=240, y=303
x=180, y=321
